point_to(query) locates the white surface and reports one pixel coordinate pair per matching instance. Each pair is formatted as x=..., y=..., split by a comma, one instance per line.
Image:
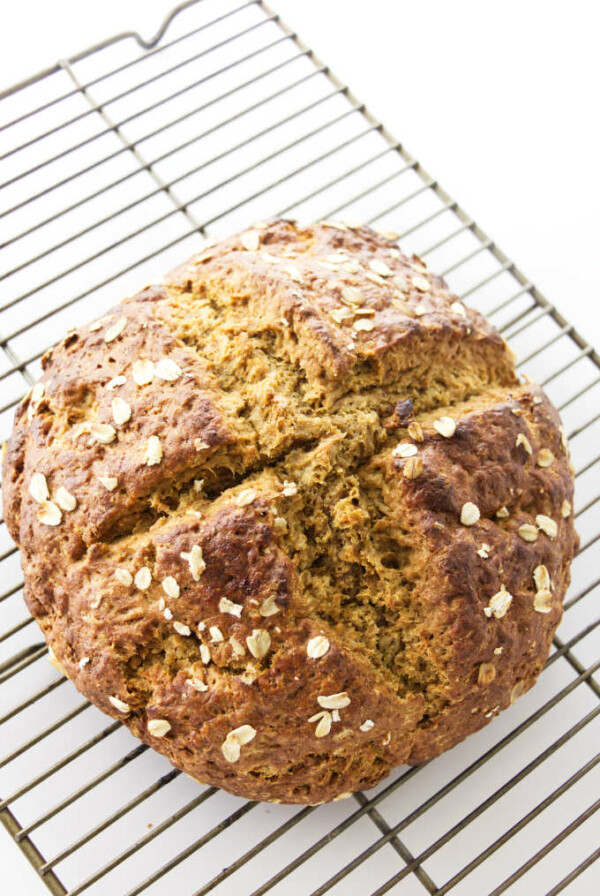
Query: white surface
x=497, y=102
x=18, y=875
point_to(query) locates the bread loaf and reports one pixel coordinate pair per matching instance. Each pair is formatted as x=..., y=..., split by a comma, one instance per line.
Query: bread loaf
x=291, y=516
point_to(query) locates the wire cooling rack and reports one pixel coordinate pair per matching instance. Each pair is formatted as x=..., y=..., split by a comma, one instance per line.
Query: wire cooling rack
x=114, y=165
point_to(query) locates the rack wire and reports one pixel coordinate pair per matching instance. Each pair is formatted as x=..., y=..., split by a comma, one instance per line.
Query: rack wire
x=114, y=165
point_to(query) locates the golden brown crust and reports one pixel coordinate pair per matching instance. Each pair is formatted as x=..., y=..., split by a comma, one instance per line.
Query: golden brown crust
x=296, y=286
x=298, y=547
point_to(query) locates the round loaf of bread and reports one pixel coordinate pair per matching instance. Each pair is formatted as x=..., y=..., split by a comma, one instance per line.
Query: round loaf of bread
x=291, y=515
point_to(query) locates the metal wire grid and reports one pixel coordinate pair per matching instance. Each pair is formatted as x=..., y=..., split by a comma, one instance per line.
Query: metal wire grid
x=114, y=164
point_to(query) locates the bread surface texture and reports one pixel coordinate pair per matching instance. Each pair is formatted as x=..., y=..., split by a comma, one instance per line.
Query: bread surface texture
x=291, y=516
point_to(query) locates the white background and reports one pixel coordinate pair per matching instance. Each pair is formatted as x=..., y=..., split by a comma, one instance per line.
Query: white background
x=499, y=101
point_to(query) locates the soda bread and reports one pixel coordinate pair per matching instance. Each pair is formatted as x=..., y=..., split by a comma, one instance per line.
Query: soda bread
x=291, y=516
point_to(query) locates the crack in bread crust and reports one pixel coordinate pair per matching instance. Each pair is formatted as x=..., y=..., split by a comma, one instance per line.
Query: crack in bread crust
x=283, y=475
